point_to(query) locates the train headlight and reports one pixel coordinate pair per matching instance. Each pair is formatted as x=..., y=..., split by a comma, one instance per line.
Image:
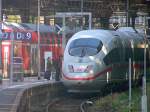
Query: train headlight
x=89, y=68
x=70, y=67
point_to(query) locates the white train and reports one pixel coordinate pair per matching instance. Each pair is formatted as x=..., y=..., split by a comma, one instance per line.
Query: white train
x=94, y=58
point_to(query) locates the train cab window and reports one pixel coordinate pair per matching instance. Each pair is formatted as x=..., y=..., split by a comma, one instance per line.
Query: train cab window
x=85, y=47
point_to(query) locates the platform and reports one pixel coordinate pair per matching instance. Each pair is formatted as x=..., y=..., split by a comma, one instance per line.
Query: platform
x=10, y=93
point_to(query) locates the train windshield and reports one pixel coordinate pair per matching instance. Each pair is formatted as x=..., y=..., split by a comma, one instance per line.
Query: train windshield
x=85, y=47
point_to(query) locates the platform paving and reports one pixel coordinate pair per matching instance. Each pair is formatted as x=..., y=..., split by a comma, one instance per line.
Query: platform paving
x=10, y=92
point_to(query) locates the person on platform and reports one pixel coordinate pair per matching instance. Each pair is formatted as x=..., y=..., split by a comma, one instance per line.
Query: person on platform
x=48, y=69
x=57, y=64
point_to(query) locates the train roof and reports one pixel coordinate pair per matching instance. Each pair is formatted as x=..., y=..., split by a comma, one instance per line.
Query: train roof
x=107, y=35
x=127, y=29
x=130, y=32
x=124, y=32
x=96, y=33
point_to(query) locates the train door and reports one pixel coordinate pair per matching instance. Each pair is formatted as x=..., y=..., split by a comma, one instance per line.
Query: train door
x=122, y=69
x=135, y=64
x=118, y=72
x=124, y=61
x=5, y=58
x=34, y=61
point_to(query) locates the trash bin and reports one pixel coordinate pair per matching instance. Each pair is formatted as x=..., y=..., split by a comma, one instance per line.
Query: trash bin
x=18, y=77
x=47, y=75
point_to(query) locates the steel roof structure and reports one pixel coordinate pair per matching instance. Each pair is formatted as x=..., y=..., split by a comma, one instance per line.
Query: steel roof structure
x=98, y=8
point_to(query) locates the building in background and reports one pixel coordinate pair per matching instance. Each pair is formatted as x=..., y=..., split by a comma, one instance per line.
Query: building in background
x=25, y=11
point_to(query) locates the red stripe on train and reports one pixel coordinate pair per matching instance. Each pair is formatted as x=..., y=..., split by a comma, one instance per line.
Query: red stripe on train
x=88, y=78
x=109, y=69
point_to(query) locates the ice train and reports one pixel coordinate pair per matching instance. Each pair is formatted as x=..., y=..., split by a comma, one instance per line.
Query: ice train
x=94, y=58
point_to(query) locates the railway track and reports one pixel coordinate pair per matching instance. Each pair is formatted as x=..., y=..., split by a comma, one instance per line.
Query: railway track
x=67, y=104
x=79, y=102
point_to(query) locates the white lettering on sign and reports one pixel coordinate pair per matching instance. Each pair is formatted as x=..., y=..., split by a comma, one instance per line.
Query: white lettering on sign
x=19, y=36
x=28, y=35
x=5, y=35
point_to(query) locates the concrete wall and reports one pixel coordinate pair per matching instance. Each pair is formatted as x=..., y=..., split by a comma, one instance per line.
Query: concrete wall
x=36, y=99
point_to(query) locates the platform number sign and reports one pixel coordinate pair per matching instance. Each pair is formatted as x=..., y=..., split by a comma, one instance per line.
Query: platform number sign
x=22, y=36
